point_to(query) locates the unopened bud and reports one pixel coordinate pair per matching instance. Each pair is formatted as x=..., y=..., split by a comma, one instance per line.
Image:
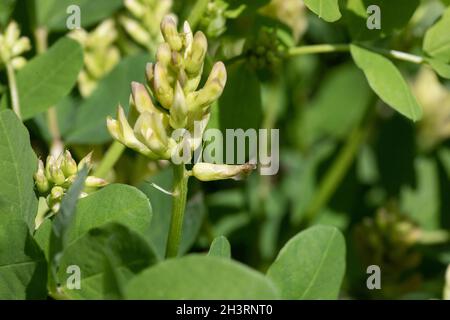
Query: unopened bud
x=40, y=179
x=120, y=129
x=12, y=33
x=20, y=46
x=164, y=54
x=141, y=98
x=196, y=58
x=55, y=197
x=57, y=175
x=147, y=135
x=210, y=172
x=94, y=182
x=149, y=72
x=212, y=90
x=170, y=33
x=188, y=37
x=162, y=87
x=86, y=161
x=68, y=165
x=135, y=30
x=178, y=112
x=135, y=7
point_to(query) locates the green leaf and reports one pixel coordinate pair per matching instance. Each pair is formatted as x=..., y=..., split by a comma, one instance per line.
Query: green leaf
x=387, y=82
x=18, y=163
x=328, y=10
x=115, y=203
x=441, y=68
x=6, y=8
x=394, y=16
x=90, y=122
x=53, y=13
x=66, y=112
x=49, y=77
x=62, y=222
x=311, y=265
x=23, y=269
x=42, y=236
x=220, y=247
x=162, y=208
x=200, y=277
x=240, y=104
x=112, y=246
x=422, y=202
x=437, y=39
x=342, y=116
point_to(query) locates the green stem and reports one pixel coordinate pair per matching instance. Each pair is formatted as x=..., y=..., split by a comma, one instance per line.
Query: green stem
x=197, y=13
x=181, y=178
x=328, y=48
x=337, y=172
x=109, y=160
x=13, y=89
x=319, y=48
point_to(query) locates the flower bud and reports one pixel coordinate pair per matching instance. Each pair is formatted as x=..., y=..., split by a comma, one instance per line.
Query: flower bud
x=149, y=72
x=120, y=129
x=135, y=30
x=178, y=112
x=211, y=91
x=57, y=176
x=94, y=182
x=146, y=133
x=40, y=179
x=164, y=54
x=48, y=164
x=18, y=63
x=170, y=33
x=12, y=33
x=55, y=197
x=86, y=161
x=196, y=57
x=135, y=7
x=142, y=99
x=20, y=46
x=161, y=86
x=68, y=165
x=188, y=37
x=210, y=172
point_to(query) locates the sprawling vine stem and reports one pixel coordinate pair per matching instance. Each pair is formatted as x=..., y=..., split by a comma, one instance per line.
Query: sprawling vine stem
x=180, y=189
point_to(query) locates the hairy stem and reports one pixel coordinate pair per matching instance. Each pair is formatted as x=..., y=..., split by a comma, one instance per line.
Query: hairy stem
x=13, y=90
x=181, y=178
x=109, y=160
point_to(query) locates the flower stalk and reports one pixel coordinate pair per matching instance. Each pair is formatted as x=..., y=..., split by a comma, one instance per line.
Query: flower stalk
x=181, y=178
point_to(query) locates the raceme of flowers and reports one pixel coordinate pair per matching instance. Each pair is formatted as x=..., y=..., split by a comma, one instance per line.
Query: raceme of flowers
x=12, y=46
x=57, y=175
x=174, y=103
x=142, y=22
x=100, y=54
